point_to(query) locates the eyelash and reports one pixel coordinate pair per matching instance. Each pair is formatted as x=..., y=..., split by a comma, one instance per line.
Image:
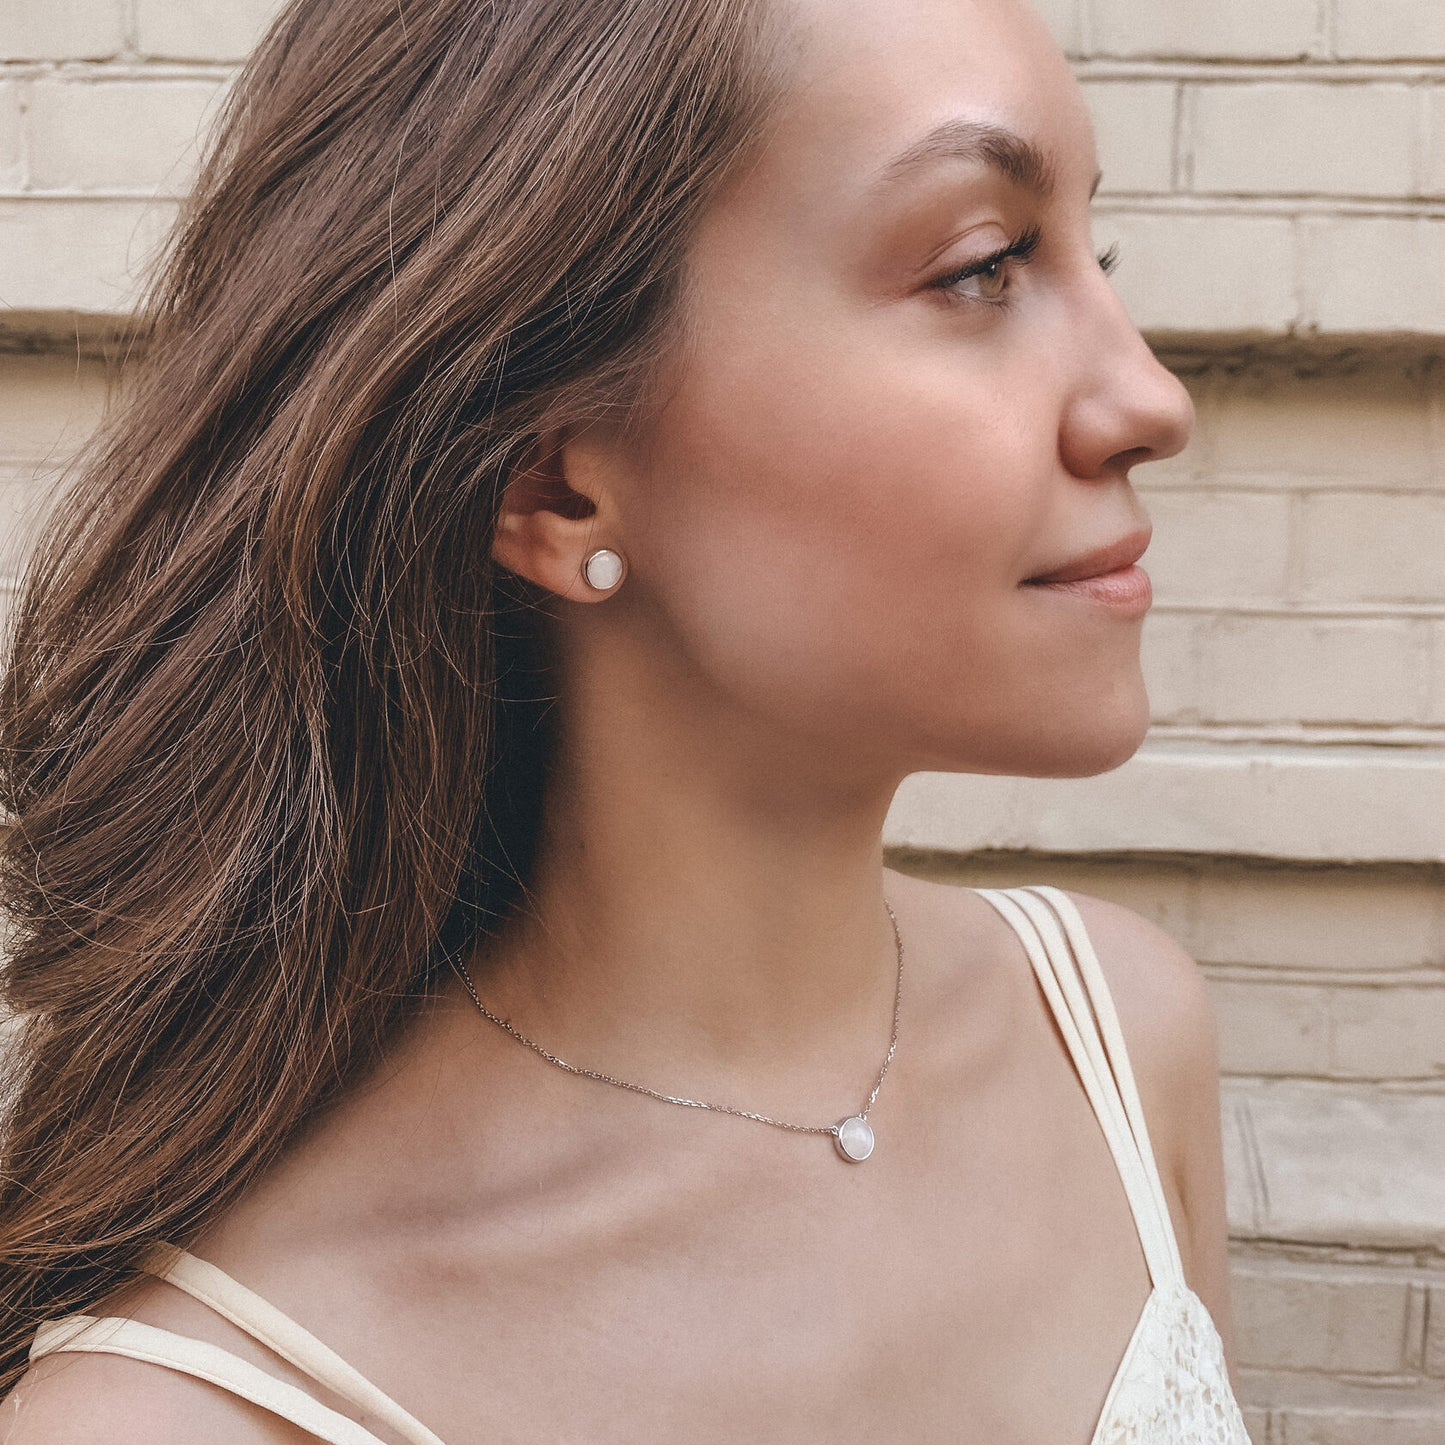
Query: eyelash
x=1020, y=252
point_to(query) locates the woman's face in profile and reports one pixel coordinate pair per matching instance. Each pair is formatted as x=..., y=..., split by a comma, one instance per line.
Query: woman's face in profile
x=863, y=454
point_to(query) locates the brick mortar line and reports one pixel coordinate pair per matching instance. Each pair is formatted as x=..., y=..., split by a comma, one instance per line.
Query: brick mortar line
x=1395, y=1387
x=95, y=71
x=1304, y=72
x=1402, y=1393
x=1249, y=1086
x=1278, y=205
x=1321, y=611
x=1352, y=979
x=1281, y=484
x=139, y=198
x=1113, y=69
x=1427, y=1256
x=1385, y=738
x=1392, y=1266
x=1184, y=870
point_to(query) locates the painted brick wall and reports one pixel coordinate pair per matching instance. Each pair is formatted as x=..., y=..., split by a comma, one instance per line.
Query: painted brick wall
x=1275, y=174
x=1273, y=169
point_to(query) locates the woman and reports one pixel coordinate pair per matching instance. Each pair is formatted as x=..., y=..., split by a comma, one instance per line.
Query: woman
x=584, y=458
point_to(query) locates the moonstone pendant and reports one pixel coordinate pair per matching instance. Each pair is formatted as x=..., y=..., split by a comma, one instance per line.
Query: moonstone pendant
x=854, y=1138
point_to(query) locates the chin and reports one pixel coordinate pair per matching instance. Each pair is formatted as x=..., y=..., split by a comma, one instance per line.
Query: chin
x=1101, y=744
x=1084, y=752
x=1086, y=764
x=1076, y=736
x=1098, y=737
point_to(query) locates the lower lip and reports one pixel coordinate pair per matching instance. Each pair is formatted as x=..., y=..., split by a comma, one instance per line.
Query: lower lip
x=1128, y=590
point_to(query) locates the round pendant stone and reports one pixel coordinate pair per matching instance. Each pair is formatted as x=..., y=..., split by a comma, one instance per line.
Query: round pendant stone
x=854, y=1138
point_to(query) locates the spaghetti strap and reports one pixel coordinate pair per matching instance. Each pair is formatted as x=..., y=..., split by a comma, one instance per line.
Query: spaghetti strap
x=203, y=1361
x=1101, y=1063
x=260, y=1319
x=1113, y=1036
x=264, y=1323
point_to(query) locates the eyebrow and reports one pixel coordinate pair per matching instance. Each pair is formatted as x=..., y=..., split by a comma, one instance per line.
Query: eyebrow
x=1018, y=159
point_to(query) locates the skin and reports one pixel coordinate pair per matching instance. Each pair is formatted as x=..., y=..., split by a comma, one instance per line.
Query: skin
x=828, y=531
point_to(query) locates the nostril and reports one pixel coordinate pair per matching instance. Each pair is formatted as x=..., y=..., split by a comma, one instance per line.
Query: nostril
x=1134, y=456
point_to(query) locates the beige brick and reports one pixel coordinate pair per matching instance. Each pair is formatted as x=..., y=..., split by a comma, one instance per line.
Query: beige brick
x=1311, y=804
x=1062, y=18
x=1367, y=548
x=1216, y=546
x=1436, y=712
x=1134, y=127
x=1432, y=180
x=26, y=494
x=1209, y=29
x=1160, y=891
x=1341, y=1165
x=77, y=255
x=1271, y=1029
x=12, y=138
x=1204, y=273
x=202, y=29
x=1393, y=1031
x=1285, y=669
x=1390, y=29
x=1170, y=655
x=1372, y=427
x=1352, y=919
x=1324, y=1318
x=61, y=29
x=1365, y=273
x=119, y=135
x=48, y=405
x=1394, y=1417
x=1353, y=140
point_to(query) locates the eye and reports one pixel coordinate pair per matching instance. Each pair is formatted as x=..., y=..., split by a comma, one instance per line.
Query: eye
x=993, y=279
x=993, y=272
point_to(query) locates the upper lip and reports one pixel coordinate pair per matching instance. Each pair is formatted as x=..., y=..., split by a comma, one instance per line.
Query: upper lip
x=1123, y=553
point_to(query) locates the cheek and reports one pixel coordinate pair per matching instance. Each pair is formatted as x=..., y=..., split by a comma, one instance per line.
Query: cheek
x=827, y=524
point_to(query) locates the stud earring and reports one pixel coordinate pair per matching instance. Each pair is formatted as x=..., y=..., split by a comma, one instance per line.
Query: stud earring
x=603, y=569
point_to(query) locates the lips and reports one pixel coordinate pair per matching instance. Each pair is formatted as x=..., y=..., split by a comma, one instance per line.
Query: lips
x=1102, y=560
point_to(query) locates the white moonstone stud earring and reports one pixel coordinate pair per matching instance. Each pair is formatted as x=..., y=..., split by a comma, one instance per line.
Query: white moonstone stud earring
x=603, y=569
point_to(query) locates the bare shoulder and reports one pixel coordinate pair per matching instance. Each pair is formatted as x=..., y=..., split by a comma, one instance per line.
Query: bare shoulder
x=94, y=1399
x=1160, y=993
x=1166, y=1013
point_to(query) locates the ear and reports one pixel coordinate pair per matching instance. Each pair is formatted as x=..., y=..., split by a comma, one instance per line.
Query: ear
x=554, y=512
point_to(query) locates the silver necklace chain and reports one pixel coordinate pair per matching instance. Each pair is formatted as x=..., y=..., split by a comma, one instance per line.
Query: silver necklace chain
x=699, y=1103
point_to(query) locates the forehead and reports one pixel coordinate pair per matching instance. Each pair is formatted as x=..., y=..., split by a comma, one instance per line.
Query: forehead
x=872, y=80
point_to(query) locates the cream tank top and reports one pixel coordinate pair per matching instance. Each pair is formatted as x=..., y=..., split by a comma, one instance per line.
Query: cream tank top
x=1170, y=1388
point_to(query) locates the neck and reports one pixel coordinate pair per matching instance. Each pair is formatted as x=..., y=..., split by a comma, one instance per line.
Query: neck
x=718, y=933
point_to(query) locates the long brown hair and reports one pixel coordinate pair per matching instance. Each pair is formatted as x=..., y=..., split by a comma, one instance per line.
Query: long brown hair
x=271, y=725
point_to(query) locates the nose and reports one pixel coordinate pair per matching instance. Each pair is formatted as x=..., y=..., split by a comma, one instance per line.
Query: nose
x=1125, y=406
